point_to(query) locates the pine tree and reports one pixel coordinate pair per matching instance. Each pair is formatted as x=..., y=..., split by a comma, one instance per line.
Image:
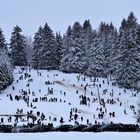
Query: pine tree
x=3, y=46
x=6, y=71
x=88, y=34
x=18, y=47
x=110, y=48
x=46, y=49
x=29, y=48
x=59, y=47
x=96, y=58
x=115, y=52
x=87, y=30
x=78, y=55
x=108, y=34
x=127, y=65
x=131, y=21
x=49, y=56
x=66, y=55
x=6, y=68
x=37, y=49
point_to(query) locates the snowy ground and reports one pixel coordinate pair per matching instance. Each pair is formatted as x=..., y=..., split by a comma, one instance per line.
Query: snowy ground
x=71, y=136
x=61, y=83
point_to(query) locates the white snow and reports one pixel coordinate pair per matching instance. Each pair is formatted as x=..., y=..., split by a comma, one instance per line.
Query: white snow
x=71, y=136
x=64, y=83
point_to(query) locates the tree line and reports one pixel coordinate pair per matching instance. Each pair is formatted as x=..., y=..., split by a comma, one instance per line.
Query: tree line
x=104, y=52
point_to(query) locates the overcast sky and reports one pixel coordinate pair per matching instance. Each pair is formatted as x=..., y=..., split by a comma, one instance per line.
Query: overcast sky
x=30, y=14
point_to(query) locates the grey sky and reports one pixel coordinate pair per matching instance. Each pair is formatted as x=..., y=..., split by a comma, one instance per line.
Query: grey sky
x=30, y=14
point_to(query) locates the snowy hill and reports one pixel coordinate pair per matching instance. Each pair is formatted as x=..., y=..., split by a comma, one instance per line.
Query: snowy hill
x=56, y=95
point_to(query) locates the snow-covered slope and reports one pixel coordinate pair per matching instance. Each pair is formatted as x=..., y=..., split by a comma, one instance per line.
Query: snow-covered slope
x=67, y=91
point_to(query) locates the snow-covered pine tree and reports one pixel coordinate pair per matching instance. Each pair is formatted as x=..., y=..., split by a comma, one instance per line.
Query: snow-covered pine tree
x=6, y=68
x=18, y=47
x=29, y=48
x=127, y=65
x=6, y=71
x=59, y=47
x=88, y=31
x=89, y=34
x=3, y=46
x=78, y=56
x=107, y=33
x=38, y=45
x=110, y=49
x=66, y=55
x=115, y=52
x=96, y=58
x=138, y=36
x=49, y=56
